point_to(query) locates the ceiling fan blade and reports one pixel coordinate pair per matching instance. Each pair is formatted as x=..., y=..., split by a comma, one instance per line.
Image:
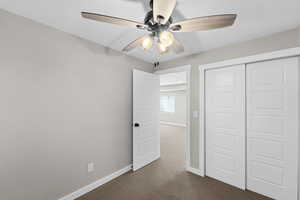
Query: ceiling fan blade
x=135, y=43
x=162, y=10
x=204, y=23
x=177, y=47
x=112, y=20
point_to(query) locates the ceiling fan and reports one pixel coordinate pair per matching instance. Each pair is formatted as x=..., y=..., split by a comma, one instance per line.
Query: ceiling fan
x=160, y=24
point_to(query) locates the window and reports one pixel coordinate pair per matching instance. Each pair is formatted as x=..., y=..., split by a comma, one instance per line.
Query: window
x=167, y=104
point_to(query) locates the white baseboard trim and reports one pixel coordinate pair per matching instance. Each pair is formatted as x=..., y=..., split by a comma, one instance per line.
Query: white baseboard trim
x=194, y=171
x=173, y=124
x=96, y=184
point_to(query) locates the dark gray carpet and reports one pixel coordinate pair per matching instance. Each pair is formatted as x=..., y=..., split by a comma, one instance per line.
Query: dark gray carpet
x=166, y=179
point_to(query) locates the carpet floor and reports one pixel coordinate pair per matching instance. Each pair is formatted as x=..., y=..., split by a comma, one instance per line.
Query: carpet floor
x=166, y=179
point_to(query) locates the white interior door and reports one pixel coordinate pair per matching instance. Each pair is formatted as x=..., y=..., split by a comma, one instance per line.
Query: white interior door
x=146, y=136
x=225, y=124
x=272, y=133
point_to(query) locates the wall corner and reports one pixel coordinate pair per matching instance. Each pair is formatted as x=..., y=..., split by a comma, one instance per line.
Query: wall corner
x=298, y=36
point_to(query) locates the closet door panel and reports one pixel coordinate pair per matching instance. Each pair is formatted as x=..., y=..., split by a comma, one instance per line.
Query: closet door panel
x=225, y=124
x=272, y=138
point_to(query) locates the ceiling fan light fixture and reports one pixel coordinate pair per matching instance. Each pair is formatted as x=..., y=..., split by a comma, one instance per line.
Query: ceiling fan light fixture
x=162, y=48
x=159, y=22
x=166, y=38
x=147, y=43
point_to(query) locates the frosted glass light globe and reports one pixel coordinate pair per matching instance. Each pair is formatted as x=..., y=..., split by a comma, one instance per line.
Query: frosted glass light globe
x=162, y=48
x=147, y=43
x=166, y=38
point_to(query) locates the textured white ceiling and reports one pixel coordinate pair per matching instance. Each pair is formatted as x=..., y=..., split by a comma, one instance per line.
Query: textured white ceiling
x=256, y=18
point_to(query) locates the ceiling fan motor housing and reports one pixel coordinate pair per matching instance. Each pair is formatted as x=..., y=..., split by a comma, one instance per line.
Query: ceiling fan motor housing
x=154, y=27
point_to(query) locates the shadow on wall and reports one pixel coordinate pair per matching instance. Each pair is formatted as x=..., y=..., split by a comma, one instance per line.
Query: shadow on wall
x=97, y=49
x=299, y=36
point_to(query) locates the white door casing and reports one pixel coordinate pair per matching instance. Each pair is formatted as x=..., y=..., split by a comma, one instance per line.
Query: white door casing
x=225, y=124
x=187, y=69
x=146, y=137
x=272, y=137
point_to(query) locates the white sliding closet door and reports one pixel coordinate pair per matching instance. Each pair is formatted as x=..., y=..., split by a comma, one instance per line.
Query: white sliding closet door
x=225, y=124
x=272, y=137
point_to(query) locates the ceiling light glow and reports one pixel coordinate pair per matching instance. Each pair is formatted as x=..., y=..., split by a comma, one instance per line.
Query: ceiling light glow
x=162, y=48
x=147, y=43
x=166, y=38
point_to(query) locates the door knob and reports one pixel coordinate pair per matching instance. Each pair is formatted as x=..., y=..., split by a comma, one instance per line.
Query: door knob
x=136, y=125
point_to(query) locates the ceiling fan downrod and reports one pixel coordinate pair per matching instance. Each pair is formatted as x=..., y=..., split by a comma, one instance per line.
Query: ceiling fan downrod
x=153, y=26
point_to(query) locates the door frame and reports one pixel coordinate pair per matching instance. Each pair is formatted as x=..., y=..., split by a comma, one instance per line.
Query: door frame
x=291, y=52
x=187, y=69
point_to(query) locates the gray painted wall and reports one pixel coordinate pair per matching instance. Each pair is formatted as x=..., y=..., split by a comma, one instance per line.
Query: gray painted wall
x=64, y=102
x=299, y=123
x=287, y=39
x=299, y=36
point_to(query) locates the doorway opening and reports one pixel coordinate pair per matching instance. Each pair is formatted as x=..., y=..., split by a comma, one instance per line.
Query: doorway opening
x=147, y=97
x=174, y=117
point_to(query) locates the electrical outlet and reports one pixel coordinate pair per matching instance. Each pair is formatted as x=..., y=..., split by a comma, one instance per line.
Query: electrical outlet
x=90, y=167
